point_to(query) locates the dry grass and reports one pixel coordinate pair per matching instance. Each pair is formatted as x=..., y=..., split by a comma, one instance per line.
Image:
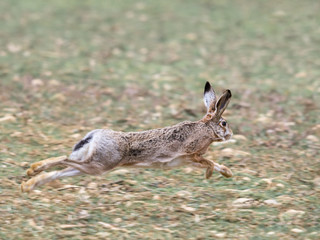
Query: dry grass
x=68, y=67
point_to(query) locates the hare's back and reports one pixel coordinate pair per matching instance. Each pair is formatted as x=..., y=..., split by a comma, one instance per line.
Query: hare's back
x=162, y=144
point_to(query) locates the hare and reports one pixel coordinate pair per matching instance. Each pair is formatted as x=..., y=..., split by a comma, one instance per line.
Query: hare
x=102, y=150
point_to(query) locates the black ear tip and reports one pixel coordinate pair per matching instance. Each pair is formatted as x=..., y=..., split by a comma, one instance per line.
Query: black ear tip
x=229, y=93
x=207, y=87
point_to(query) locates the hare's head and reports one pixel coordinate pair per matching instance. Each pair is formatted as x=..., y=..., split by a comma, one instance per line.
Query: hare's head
x=215, y=109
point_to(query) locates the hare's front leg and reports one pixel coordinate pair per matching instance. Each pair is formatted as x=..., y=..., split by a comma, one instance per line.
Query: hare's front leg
x=200, y=161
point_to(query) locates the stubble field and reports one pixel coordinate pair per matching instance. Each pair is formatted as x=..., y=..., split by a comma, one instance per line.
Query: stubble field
x=67, y=67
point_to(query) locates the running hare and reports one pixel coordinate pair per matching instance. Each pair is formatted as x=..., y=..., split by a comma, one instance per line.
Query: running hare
x=102, y=150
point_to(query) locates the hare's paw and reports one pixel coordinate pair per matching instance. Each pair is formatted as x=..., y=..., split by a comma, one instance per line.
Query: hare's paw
x=27, y=186
x=34, y=169
x=226, y=172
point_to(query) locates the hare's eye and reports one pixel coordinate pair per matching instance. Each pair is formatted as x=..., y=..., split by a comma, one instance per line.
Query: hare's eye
x=224, y=123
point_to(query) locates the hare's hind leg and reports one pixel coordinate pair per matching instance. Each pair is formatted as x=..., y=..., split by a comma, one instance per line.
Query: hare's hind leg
x=40, y=166
x=74, y=168
x=48, y=177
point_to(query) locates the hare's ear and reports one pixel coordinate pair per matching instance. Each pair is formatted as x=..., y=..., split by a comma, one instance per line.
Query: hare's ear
x=222, y=103
x=209, y=97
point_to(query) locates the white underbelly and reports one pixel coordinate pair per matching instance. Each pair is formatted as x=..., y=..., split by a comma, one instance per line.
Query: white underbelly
x=168, y=164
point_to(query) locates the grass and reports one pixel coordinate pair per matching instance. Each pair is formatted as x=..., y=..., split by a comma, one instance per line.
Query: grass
x=67, y=67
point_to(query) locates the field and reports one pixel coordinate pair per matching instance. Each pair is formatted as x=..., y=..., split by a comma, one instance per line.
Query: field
x=67, y=67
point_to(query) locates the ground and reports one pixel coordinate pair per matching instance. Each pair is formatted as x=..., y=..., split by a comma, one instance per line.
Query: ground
x=67, y=67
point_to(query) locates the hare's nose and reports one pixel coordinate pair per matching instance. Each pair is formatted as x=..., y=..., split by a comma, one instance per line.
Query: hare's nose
x=229, y=134
x=227, y=137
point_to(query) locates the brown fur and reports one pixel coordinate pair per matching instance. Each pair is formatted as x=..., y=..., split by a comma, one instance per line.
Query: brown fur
x=102, y=150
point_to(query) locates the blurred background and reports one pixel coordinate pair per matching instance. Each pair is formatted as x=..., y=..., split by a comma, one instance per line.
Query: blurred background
x=67, y=67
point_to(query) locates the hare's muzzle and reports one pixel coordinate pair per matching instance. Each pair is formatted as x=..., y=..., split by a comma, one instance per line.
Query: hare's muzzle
x=228, y=133
x=227, y=137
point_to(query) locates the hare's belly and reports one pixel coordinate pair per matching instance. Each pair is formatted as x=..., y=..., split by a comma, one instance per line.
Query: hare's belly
x=163, y=163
